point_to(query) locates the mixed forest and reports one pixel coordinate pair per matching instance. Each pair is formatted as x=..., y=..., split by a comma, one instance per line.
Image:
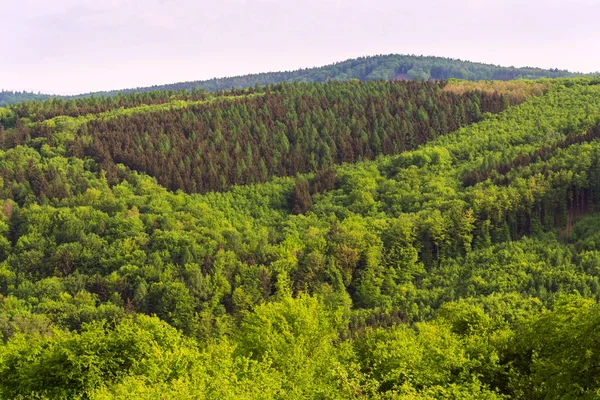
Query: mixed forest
x=10, y=97
x=389, y=239
x=373, y=68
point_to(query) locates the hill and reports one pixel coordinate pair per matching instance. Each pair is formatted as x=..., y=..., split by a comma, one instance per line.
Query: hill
x=382, y=67
x=8, y=97
x=258, y=133
x=461, y=263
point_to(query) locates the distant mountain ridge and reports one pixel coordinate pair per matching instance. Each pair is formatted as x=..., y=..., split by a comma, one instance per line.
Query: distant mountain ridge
x=386, y=67
x=9, y=97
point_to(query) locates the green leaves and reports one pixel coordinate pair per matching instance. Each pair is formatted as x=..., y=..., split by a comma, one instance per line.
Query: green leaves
x=393, y=278
x=563, y=349
x=70, y=364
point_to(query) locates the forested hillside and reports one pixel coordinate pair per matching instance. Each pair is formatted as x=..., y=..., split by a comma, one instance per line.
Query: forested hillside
x=446, y=245
x=8, y=97
x=381, y=67
x=199, y=142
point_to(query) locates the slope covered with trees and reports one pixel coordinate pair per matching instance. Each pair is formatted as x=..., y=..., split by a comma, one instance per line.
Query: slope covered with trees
x=381, y=67
x=199, y=142
x=284, y=131
x=9, y=97
x=373, y=68
x=467, y=267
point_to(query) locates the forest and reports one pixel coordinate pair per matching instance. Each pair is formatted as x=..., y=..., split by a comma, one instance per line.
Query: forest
x=10, y=97
x=337, y=240
x=373, y=68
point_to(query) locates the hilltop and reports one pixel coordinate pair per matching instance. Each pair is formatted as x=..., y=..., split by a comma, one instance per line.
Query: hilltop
x=381, y=67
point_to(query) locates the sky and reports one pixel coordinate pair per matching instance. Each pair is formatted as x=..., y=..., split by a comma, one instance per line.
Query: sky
x=78, y=46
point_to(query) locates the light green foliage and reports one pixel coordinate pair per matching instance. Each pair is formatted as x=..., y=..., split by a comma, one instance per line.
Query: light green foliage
x=438, y=273
x=560, y=349
x=66, y=364
x=296, y=337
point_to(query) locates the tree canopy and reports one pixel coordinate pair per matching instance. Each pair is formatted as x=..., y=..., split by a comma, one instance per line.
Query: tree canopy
x=461, y=263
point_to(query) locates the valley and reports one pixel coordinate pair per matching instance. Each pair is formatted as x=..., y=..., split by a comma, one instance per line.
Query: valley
x=380, y=239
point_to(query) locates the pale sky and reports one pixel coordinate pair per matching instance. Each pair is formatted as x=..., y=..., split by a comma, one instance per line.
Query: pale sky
x=75, y=46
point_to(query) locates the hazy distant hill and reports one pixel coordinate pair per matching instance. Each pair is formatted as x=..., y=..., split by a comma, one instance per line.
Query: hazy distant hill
x=386, y=67
x=7, y=97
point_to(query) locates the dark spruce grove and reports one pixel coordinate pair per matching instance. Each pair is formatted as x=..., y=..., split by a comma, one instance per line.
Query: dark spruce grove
x=395, y=239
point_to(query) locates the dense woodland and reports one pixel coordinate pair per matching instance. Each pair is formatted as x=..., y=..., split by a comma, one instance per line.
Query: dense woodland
x=9, y=97
x=210, y=142
x=386, y=67
x=464, y=265
x=381, y=67
x=287, y=130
